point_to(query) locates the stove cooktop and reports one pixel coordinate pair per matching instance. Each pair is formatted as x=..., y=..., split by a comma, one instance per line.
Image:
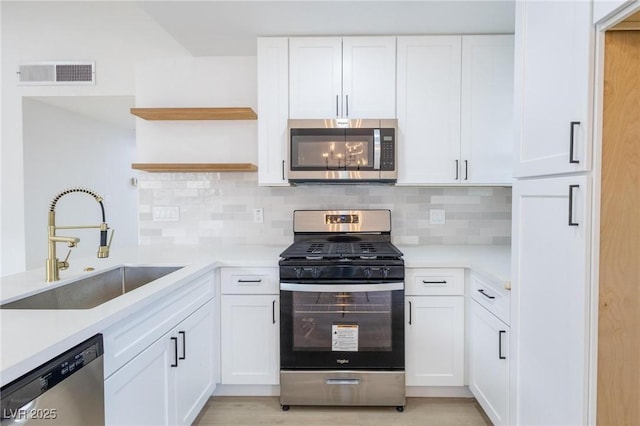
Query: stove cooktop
x=336, y=248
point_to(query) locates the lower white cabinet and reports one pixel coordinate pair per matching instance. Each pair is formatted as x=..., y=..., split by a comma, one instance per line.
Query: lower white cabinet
x=434, y=327
x=489, y=363
x=169, y=382
x=250, y=326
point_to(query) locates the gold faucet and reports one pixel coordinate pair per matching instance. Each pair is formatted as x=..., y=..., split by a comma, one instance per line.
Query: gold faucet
x=54, y=266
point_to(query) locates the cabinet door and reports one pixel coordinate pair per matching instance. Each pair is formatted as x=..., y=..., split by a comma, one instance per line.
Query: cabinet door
x=315, y=77
x=550, y=301
x=434, y=334
x=250, y=352
x=194, y=375
x=486, y=128
x=602, y=9
x=429, y=109
x=489, y=363
x=273, y=110
x=553, y=57
x=369, y=77
x=141, y=392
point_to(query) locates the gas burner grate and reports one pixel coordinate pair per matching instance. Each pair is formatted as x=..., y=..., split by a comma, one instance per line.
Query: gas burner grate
x=367, y=248
x=315, y=248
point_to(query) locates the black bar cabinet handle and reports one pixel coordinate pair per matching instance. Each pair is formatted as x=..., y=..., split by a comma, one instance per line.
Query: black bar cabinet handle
x=434, y=282
x=184, y=344
x=409, y=312
x=273, y=311
x=466, y=169
x=282, y=169
x=337, y=112
x=571, y=188
x=481, y=291
x=347, y=105
x=250, y=281
x=457, y=169
x=572, y=142
x=500, y=333
x=175, y=351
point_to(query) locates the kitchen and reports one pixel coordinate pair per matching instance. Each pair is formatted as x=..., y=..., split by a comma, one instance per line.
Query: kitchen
x=410, y=205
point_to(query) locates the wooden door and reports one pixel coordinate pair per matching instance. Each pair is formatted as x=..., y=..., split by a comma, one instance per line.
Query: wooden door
x=619, y=281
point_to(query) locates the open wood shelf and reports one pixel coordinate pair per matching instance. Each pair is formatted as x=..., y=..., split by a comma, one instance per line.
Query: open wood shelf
x=195, y=167
x=239, y=113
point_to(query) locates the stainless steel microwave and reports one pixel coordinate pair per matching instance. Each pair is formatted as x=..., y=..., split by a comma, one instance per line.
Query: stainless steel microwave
x=342, y=151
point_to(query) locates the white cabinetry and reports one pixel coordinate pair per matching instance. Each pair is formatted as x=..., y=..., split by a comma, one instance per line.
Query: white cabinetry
x=554, y=55
x=455, y=102
x=489, y=348
x=550, y=321
x=605, y=8
x=351, y=77
x=250, y=321
x=273, y=109
x=434, y=327
x=159, y=363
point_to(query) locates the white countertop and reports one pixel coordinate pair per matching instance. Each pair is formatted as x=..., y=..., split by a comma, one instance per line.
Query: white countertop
x=29, y=338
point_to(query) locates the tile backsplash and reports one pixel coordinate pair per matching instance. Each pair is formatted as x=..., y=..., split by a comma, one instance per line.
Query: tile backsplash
x=217, y=208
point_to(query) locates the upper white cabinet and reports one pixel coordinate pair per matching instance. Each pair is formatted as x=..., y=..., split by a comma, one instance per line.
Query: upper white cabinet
x=550, y=320
x=486, y=122
x=429, y=109
x=351, y=77
x=554, y=48
x=455, y=103
x=273, y=109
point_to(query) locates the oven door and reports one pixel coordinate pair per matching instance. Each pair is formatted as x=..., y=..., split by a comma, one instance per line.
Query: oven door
x=342, y=326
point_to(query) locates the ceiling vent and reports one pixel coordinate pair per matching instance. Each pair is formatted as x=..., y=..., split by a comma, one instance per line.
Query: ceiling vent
x=57, y=73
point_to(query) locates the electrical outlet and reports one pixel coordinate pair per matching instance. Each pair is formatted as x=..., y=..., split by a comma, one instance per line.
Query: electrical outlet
x=258, y=216
x=437, y=217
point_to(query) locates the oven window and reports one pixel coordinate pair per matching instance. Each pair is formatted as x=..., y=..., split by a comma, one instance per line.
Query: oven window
x=342, y=321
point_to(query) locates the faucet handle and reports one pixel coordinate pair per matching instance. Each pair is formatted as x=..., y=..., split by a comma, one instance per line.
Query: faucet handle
x=64, y=264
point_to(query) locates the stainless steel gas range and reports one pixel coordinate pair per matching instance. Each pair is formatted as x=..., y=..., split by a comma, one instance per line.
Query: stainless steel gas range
x=342, y=311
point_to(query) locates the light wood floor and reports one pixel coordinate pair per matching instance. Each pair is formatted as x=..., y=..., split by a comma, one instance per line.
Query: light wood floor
x=265, y=410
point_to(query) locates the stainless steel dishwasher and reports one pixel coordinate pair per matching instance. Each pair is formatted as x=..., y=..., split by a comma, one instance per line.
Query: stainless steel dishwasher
x=67, y=390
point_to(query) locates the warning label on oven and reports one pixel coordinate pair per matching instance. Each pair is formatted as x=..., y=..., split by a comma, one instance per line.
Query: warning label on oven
x=345, y=338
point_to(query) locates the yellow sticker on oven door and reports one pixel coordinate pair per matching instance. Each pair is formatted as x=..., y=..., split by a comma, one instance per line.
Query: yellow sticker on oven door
x=344, y=338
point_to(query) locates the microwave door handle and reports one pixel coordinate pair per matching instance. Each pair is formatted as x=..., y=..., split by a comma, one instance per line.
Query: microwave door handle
x=376, y=149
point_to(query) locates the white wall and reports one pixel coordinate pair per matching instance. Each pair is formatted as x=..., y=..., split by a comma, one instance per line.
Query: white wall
x=113, y=34
x=197, y=82
x=63, y=149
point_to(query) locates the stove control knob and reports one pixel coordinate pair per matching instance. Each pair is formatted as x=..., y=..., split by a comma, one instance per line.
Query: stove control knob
x=367, y=272
x=315, y=272
x=299, y=272
x=385, y=272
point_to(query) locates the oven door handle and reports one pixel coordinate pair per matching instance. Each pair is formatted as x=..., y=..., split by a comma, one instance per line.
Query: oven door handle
x=333, y=288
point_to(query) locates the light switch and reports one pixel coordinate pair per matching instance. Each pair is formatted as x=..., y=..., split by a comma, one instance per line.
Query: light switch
x=437, y=217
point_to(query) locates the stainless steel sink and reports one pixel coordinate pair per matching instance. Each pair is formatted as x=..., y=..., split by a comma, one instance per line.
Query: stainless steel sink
x=92, y=291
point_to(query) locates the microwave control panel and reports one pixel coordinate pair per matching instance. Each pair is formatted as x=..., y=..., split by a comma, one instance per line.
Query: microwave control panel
x=387, y=149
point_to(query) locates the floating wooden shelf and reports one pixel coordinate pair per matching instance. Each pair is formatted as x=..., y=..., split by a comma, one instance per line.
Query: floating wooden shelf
x=195, y=167
x=239, y=113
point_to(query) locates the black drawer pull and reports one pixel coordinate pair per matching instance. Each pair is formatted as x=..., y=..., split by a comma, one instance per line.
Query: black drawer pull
x=572, y=142
x=481, y=291
x=250, y=281
x=434, y=282
x=457, y=169
x=273, y=311
x=466, y=169
x=175, y=351
x=282, y=169
x=571, y=188
x=500, y=333
x=184, y=344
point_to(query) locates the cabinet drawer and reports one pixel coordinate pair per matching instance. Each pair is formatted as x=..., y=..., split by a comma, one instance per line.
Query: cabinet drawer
x=128, y=338
x=434, y=282
x=250, y=280
x=492, y=295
